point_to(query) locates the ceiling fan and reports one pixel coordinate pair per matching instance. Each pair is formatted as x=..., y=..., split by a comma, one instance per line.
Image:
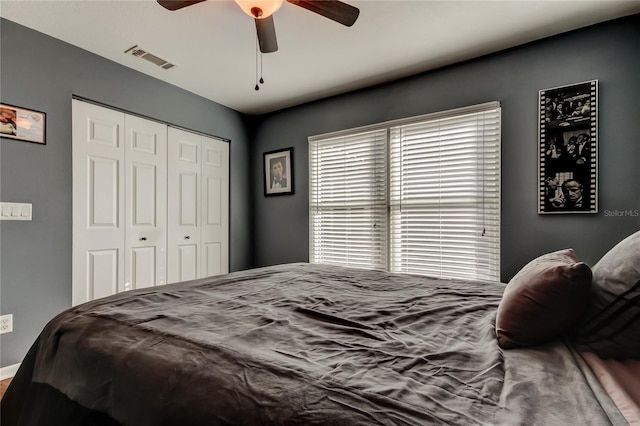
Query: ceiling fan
x=262, y=11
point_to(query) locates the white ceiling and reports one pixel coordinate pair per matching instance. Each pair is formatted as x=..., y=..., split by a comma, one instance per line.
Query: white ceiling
x=213, y=43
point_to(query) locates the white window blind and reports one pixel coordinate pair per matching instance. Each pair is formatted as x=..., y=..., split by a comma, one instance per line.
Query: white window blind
x=420, y=195
x=445, y=196
x=348, y=201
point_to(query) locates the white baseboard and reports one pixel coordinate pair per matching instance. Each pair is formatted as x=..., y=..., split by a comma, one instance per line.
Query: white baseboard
x=9, y=371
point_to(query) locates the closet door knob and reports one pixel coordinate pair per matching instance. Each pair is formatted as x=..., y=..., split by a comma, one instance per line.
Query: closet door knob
x=187, y=237
x=143, y=238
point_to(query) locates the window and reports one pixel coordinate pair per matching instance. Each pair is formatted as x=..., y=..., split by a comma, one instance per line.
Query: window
x=420, y=195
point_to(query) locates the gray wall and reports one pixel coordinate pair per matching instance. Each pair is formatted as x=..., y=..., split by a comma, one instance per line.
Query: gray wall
x=42, y=73
x=608, y=52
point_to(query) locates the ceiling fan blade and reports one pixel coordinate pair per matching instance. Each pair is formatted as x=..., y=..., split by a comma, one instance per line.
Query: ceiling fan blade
x=177, y=4
x=266, y=34
x=333, y=9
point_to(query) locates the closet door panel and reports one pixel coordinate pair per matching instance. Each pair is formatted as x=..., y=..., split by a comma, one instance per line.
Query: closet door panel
x=103, y=202
x=146, y=201
x=188, y=199
x=98, y=202
x=187, y=262
x=215, y=207
x=102, y=273
x=184, y=205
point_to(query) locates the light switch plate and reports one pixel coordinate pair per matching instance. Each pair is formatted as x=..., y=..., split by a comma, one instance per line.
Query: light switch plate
x=15, y=211
x=6, y=323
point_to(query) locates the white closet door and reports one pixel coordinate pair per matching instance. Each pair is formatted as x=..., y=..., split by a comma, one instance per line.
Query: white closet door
x=146, y=203
x=184, y=205
x=150, y=203
x=98, y=202
x=215, y=207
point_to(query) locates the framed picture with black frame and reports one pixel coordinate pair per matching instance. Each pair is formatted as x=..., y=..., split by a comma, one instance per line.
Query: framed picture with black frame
x=22, y=124
x=278, y=172
x=568, y=149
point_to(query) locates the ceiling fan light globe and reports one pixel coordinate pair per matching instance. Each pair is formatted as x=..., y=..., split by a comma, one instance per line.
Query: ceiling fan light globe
x=266, y=7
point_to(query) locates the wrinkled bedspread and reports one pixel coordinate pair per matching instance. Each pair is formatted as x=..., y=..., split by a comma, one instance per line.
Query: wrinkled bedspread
x=305, y=344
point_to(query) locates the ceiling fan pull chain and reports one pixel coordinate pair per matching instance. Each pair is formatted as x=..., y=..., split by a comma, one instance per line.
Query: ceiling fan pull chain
x=261, y=79
x=258, y=66
x=257, y=53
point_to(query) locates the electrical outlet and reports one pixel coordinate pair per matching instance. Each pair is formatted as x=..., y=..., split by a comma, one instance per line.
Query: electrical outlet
x=6, y=323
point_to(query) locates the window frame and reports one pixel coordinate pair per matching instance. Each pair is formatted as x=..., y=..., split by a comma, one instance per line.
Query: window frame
x=388, y=127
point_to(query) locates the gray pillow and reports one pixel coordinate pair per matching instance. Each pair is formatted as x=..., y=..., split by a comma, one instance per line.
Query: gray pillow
x=611, y=327
x=543, y=300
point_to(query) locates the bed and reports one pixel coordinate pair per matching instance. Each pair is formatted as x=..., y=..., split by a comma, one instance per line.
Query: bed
x=303, y=344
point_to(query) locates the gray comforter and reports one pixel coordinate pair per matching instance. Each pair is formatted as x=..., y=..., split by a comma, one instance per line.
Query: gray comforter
x=305, y=344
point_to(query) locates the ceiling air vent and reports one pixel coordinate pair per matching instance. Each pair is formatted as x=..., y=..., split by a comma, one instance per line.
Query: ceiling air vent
x=143, y=54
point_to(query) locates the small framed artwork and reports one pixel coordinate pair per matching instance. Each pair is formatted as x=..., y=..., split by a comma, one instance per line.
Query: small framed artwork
x=568, y=149
x=22, y=124
x=278, y=172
